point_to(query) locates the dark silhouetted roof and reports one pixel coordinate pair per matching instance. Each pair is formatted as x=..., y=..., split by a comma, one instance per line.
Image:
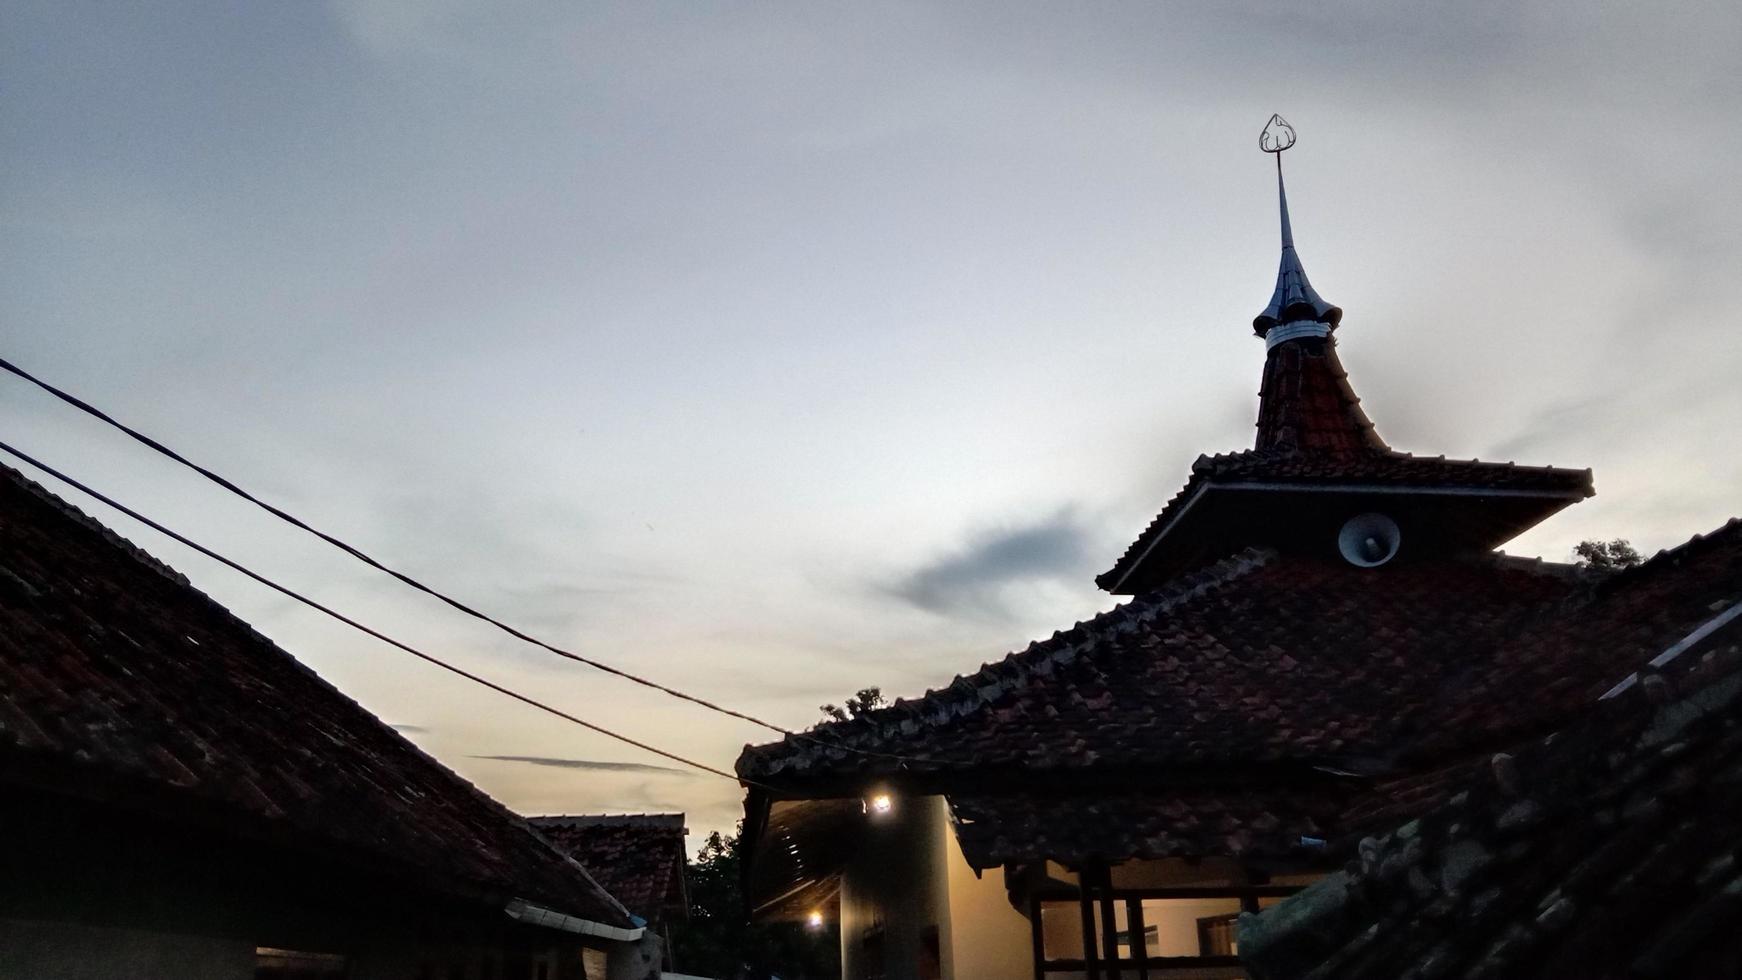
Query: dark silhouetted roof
x=638, y=857
x=123, y=685
x=1608, y=848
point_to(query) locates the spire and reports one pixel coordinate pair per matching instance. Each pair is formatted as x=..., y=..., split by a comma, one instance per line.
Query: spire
x=1295, y=306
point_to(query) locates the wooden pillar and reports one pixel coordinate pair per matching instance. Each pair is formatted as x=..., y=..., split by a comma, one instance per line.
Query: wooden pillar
x=1086, y=902
x=1109, y=922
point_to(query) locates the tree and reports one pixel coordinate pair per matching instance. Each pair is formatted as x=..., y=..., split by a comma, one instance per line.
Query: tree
x=1609, y=556
x=868, y=699
x=719, y=940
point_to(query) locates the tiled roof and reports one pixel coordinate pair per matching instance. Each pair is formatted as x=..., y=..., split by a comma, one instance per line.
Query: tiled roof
x=1552, y=669
x=1261, y=658
x=123, y=685
x=1229, y=694
x=1375, y=468
x=1307, y=405
x=638, y=857
x=1607, y=850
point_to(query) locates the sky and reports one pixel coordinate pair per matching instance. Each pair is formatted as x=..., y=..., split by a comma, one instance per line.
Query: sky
x=776, y=350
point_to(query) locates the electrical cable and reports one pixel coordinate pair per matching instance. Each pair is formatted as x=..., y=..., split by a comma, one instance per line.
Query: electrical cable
x=456, y=604
x=354, y=624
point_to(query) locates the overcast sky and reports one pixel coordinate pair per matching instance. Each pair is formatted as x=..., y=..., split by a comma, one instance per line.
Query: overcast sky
x=774, y=350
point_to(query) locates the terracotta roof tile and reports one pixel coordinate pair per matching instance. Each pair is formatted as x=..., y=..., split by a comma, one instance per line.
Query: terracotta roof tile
x=638, y=857
x=121, y=684
x=1307, y=405
x=1263, y=657
x=1608, y=850
x=1306, y=692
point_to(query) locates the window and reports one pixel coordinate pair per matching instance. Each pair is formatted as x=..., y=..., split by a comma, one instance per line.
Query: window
x=1144, y=934
x=1216, y=935
x=271, y=963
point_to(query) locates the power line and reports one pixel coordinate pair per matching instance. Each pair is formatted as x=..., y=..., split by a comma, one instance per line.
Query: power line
x=354, y=624
x=361, y=556
x=456, y=604
x=356, y=553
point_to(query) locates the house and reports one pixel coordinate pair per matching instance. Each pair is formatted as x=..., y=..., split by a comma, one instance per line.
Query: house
x=182, y=799
x=639, y=858
x=1321, y=636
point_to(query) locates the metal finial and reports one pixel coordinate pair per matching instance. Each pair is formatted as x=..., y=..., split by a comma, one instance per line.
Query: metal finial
x=1278, y=135
x=1295, y=303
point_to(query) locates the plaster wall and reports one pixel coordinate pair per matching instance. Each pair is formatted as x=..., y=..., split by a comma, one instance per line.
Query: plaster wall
x=895, y=895
x=988, y=939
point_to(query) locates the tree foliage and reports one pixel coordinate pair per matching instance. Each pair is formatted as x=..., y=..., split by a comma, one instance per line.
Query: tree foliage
x=868, y=699
x=1607, y=555
x=719, y=940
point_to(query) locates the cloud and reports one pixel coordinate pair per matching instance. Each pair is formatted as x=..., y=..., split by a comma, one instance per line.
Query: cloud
x=593, y=764
x=977, y=576
x=1549, y=426
x=409, y=729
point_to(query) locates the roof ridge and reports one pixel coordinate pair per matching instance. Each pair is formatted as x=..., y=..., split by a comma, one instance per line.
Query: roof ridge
x=1039, y=658
x=1570, y=571
x=658, y=820
x=1667, y=557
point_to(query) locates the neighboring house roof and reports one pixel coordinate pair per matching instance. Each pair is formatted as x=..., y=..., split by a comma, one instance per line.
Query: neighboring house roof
x=638, y=857
x=123, y=685
x=1606, y=849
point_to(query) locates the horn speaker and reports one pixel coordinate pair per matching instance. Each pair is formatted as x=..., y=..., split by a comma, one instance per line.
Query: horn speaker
x=1369, y=540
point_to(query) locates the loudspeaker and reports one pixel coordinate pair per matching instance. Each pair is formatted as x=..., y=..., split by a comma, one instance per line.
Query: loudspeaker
x=1369, y=540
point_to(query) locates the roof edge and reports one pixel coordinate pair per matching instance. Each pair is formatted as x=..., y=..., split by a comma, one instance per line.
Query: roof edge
x=521, y=910
x=937, y=706
x=1204, y=477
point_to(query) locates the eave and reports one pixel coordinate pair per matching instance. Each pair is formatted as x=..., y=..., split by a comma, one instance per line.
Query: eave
x=1299, y=500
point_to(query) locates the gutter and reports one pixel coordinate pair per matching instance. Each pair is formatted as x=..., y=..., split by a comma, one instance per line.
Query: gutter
x=521, y=910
